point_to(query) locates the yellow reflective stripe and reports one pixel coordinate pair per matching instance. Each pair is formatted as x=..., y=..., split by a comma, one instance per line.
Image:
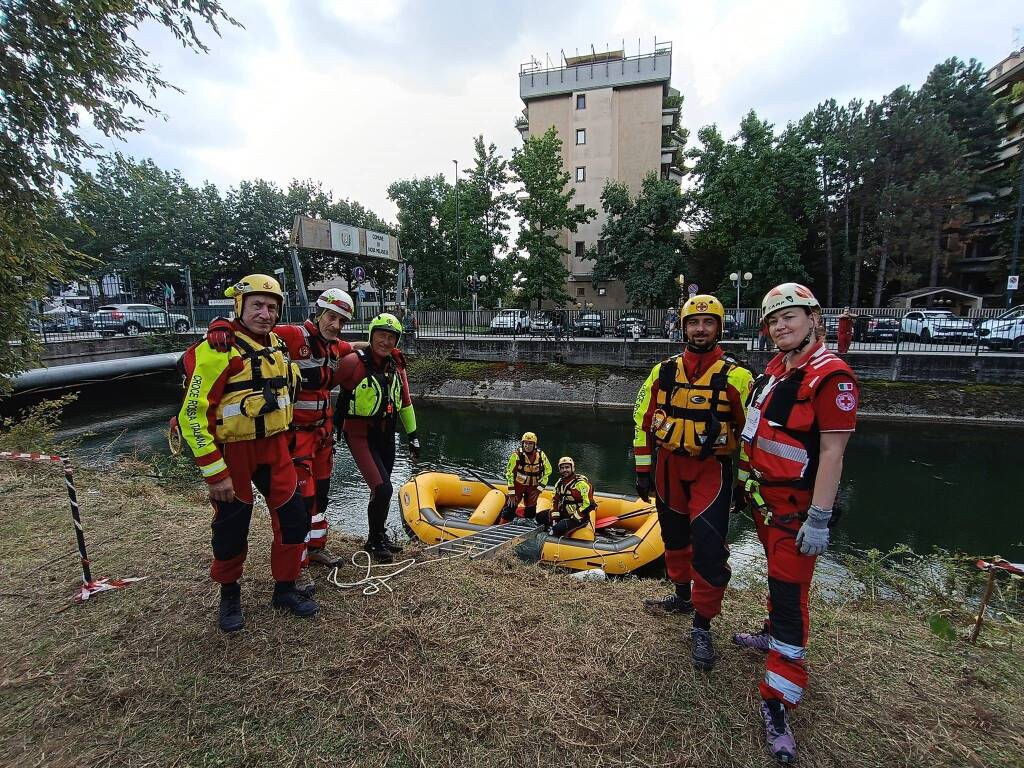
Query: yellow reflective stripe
x=194, y=415
x=643, y=460
x=643, y=401
x=212, y=469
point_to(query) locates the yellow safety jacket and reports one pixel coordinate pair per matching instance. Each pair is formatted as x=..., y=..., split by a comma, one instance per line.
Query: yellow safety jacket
x=257, y=401
x=695, y=418
x=573, y=498
x=528, y=471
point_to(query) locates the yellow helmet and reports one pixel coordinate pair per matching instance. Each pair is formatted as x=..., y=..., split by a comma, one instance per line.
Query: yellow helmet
x=566, y=460
x=254, y=284
x=528, y=437
x=703, y=304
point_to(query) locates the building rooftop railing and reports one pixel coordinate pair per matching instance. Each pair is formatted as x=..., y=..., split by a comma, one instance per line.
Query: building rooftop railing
x=535, y=67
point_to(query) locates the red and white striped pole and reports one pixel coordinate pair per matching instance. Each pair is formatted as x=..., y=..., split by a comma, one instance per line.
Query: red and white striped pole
x=89, y=586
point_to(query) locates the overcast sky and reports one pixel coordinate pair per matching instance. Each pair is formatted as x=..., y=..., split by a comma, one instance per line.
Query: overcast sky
x=359, y=93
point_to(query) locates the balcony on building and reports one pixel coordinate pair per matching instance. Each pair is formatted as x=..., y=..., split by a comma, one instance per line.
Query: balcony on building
x=607, y=69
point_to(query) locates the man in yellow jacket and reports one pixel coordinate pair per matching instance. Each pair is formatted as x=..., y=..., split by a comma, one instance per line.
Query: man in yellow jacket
x=688, y=418
x=235, y=419
x=526, y=474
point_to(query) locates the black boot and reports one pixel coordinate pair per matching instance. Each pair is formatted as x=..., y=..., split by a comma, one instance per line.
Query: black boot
x=670, y=604
x=229, y=613
x=392, y=546
x=378, y=550
x=288, y=598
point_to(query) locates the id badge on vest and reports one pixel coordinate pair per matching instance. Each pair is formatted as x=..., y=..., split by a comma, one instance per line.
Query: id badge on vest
x=750, y=428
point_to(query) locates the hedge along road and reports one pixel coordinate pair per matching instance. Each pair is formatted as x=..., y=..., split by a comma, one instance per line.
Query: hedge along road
x=924, y=485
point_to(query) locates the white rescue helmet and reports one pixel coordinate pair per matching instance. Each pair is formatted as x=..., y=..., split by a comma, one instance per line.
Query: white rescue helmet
x=336, y=300
x=788, y=295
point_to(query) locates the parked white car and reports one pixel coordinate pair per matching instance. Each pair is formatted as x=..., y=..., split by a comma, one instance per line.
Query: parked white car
x=511, y=321
x=939, y=325
x=1007, y=330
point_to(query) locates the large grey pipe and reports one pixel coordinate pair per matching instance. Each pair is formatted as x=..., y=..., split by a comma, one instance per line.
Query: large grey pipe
x=82, y=373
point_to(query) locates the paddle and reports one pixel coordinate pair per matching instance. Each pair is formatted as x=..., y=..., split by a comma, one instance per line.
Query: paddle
x=608, y=522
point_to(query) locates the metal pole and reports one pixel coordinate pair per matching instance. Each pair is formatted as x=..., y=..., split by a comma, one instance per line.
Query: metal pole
x=300, y=284
x=458, y=259
x=1017, y=227
x=191, y=299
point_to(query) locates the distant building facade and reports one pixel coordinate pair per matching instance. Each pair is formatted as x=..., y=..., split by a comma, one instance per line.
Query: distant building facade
x=618, y=119
x=980, y=269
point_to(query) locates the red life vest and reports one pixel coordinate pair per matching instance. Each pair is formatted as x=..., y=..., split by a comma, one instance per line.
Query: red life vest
x=782, y=437
x=317, y=359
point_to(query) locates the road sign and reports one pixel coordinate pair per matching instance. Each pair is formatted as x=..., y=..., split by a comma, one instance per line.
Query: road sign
x=361, y=294
x=359, y=274
x=692, y=289
x=1012, y=282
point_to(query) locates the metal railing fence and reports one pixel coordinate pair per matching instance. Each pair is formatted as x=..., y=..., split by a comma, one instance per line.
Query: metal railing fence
x=884, y=329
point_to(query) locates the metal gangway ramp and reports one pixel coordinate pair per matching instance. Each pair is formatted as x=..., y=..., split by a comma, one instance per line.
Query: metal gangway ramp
x=488, y=541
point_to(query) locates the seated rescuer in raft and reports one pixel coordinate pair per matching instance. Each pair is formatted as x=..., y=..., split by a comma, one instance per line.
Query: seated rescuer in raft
x=315, y=348
x=688, y=417
x=526, y=474
x=235, y=418
x=374, y=397
x=572, y=502
x=802, y=412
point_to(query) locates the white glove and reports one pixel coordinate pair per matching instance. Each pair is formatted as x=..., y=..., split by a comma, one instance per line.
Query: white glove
x=812, y=538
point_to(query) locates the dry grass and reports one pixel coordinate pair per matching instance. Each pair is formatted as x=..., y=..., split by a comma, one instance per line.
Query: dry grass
x=492, y=664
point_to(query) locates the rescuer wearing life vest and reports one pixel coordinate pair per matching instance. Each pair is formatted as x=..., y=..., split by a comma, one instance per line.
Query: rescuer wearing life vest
x=374, y=397
x=526, y=474
x=689, y=414
x=801, y=414
x=315, y=348
x=235, y=418
x=572, y=503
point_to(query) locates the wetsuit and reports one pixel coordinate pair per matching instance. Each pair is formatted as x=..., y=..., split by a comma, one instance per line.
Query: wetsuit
x=525, y=475
x=374, y=397
x=572, y=506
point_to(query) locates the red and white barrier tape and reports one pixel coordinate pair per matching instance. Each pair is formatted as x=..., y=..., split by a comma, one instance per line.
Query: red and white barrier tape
x=89, y=586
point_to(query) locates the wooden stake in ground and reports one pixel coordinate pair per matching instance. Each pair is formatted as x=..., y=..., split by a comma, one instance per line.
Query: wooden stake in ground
x=89, y=585
x=997, y=563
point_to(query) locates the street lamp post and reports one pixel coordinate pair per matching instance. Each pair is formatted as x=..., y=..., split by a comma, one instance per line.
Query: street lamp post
x=475, y=284
x=279, y=272
x=458, y=256
x=740, y=281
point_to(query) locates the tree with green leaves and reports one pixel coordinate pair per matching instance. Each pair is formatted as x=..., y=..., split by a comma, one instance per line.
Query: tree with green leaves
x=752, y=203
x=643, y=246
x=60, y=61
x=545, y=210
x=425, y=237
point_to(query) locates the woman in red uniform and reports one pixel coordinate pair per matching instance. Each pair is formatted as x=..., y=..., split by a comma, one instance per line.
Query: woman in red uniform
x=374, y=397
x=800, y=416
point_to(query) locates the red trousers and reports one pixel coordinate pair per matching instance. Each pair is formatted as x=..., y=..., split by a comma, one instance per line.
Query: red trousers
x=693, y=500
x=789, y=581
x=528, y=495
x=312, y=452
x=267, y=464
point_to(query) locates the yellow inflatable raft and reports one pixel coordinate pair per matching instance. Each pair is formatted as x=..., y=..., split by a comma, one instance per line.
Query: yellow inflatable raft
x=439, y=506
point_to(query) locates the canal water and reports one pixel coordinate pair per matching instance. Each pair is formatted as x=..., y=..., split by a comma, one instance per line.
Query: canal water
x=953, y=487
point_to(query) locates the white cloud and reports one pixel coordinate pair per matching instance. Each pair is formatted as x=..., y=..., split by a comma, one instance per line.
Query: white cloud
x=392, y=89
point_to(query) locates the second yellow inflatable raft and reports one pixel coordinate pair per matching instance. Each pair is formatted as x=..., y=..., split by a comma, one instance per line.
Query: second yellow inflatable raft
x=440, y=506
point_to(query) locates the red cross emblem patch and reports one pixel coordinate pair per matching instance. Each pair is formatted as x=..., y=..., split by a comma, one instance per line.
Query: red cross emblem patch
x=702, y=306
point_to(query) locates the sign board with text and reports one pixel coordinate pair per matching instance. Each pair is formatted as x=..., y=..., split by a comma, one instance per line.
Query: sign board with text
x=1013, y=282
x=322, y=235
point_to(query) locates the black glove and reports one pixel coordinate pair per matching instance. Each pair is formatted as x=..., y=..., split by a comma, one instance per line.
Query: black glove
x=643, y=485
x=740, y=498
x=414, y=448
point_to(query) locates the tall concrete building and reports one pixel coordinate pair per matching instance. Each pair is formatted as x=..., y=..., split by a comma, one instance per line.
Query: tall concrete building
x=618, y=119
x=981, y=269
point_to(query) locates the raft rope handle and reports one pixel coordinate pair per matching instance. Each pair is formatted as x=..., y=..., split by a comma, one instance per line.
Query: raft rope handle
x=372, y=583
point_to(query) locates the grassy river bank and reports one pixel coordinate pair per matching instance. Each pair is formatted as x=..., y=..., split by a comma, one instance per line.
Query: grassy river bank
x=487, y=663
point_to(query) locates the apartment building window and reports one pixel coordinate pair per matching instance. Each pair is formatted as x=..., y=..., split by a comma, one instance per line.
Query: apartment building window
x=580, y=207
x=602, y=291
x=581, y=101
x=601, y=248
x=581, y=136
x=581, y=291
x=580, y=249
x=581, y=173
